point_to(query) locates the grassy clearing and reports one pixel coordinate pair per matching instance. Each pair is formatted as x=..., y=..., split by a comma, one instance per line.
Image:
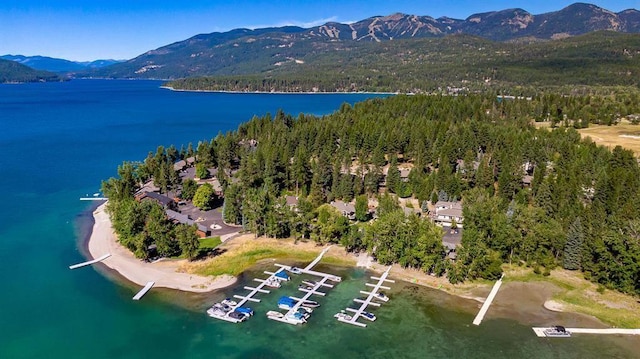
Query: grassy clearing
x=210, y=243
x=243, y=254
x=579, y=295
x=624, y=134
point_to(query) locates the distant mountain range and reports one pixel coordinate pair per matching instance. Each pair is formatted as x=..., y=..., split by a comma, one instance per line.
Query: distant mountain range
x=244, y=51
x=13, y=72
x=57, y=65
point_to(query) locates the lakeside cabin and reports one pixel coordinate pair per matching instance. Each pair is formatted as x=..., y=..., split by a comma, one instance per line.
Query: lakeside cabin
x=179, y=218
x=446, y=212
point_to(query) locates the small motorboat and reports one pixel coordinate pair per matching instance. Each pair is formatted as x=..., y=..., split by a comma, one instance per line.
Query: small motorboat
x=282, y=275
x=295, y=270
x=381, y=296
x=216, y=312
x=230, y=302
x=311, y=283
x=296, y=318
x=273, y=283
x=274, y=314
x=342, y=315
x=305, y=310
x=238, y=316
x=310, y=304
x=305, y=287
x=286, y=303
x=557, y=331
x=245, y=310
x=369, y=316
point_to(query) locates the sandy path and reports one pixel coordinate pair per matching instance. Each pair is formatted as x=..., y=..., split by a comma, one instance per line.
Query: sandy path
x=163, y=273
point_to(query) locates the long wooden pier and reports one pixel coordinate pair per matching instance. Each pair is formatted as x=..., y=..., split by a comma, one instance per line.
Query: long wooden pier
x=487, y=302
x=357, y=313
x=143, y=291
x=90, y=262
x=540, y=331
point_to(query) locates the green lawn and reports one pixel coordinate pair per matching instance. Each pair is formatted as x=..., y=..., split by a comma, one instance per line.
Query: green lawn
x=209, y=243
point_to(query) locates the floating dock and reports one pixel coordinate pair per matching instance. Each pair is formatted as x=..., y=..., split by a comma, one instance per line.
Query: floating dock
x=143, y=291
x=90, y=262
x=487, y=302
x=540, y=331
x=249, y=297
x=357, y=313
x=308, y=292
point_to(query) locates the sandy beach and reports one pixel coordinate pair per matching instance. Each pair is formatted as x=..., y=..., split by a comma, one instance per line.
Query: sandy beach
x=165, y=274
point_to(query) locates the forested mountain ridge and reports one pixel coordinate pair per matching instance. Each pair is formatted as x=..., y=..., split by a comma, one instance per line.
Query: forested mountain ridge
x=244, y=51
x=12, y=72
x=580, y=210
x=51, y=64
x=457, y=61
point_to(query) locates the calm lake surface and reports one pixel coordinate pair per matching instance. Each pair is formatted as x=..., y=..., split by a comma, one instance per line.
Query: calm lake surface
x=59, y=140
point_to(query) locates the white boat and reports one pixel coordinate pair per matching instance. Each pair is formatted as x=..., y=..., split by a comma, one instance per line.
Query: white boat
x=305, y=287
x=310, y=304
x=230, y=302
x=295, y=270
x=557, y=331
x=216, y=311
x=369, y=316
x=381, y=296
x=273, y=283
x=296, y=318
x=342, y=315
x=274, y=314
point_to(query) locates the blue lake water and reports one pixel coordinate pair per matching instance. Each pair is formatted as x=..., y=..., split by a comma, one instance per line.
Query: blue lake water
x=59, y=140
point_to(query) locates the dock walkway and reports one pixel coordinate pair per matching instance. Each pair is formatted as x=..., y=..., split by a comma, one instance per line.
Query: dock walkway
x=308, y=292
x=540, y=331
x=487, y=302
x=357, y=313
x=249, y=297
x=90, y=262
x=143, y=291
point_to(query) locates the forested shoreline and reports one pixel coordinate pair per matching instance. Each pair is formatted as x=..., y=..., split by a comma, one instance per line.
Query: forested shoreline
x=580, y=210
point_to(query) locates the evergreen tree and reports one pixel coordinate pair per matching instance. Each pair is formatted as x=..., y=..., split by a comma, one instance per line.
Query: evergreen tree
x=572, y=258
x=362, y=208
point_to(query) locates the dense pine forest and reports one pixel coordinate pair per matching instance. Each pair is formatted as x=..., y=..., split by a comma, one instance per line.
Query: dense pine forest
x=580, y=210
x=438, y=65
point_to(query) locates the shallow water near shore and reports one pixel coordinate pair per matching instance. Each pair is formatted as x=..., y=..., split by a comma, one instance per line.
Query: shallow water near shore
x=61, y=139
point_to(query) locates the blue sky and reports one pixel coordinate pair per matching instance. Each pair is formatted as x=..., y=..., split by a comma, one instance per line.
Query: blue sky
x=121, y=29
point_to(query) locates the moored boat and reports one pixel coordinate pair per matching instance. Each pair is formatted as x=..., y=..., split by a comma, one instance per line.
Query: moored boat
x=310, y=304
x=286, y=303
x=381, y=296
x=245, y=310
x=369, y=316
x=230, y=302
x=342, y=315
x=305, y=287
x=273, y=283
x=295, y=270
x=274, y=314
x=557, y=331
x=238, y=316
x=282, y=275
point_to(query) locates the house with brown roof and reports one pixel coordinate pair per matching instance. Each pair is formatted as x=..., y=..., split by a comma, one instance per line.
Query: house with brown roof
x=164, y=201
x=176, y=217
